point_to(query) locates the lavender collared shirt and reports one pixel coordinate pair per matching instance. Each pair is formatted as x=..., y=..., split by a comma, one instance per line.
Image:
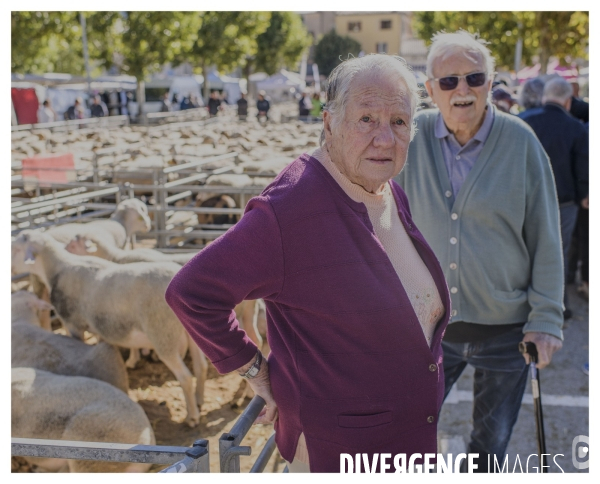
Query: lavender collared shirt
x=460, y=159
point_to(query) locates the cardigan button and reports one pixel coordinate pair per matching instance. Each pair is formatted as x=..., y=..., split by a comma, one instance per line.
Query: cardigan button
x=454, y=216
x=453, y=266
x=432, y=367
x=430, y=419
x=448, y=193
x=453, y=240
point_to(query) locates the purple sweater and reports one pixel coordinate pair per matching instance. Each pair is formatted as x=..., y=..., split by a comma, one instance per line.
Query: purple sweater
x=349, y=363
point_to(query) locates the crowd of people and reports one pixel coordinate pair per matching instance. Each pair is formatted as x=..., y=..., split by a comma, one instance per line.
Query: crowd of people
x=374, y=309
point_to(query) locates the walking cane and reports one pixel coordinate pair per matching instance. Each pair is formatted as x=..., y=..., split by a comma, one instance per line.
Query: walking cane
x=530, y=349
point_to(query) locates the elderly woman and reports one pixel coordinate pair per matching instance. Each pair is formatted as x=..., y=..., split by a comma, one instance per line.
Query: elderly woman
x=356, y=300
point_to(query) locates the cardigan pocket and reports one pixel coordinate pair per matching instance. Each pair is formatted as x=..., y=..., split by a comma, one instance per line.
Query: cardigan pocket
x=364, y=421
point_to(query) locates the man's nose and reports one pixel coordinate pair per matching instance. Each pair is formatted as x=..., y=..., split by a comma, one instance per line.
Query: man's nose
x=462, y=86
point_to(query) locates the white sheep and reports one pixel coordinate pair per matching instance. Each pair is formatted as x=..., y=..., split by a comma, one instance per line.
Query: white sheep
x=82, y=245
x=129, y=218
x=124, y=304
x=57, y=407
x=32, y=346
x=250, y=313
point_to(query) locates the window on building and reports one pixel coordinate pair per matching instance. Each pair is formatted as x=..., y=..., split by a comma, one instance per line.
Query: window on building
x=386, y=24
x=354, y=26
x=381, y=47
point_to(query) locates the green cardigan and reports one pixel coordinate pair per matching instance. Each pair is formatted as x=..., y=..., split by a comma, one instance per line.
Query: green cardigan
x=499, y=240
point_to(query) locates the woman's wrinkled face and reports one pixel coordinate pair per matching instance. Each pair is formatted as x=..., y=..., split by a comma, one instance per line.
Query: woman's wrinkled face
x=369, y=145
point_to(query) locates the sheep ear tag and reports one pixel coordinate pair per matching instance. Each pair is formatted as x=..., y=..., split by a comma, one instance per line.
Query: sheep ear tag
x=29, y=256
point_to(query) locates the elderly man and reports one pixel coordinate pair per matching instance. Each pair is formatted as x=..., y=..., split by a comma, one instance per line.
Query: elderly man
x=481, y=190
x=566, y=142
x=531, y=96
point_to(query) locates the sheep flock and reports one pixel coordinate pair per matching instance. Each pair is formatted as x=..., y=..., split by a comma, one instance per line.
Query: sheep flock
x=96, y=353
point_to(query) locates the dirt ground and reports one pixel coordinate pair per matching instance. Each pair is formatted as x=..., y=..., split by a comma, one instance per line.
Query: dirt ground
x=155, y=388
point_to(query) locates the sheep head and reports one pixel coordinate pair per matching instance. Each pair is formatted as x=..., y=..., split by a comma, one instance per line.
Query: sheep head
x=81, y=245
x=25, y=249
x=134, y=216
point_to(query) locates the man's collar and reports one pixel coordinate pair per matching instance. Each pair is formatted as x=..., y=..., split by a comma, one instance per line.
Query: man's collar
x=552, y=104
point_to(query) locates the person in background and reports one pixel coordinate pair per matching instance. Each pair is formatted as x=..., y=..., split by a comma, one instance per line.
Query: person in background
x=98, y=108
x=304, y=105
x=263, y=106
x=315, y=112
x=530, y=97
x=242, y=104
x=76, y=111
x=46, y=114
x=503, y=99
x=165, y=105
x=194, y=101
x=579, y=108
x=356, y=299
x=481, y=190
x=565, y=140
x=214, y=104
x=186, y=102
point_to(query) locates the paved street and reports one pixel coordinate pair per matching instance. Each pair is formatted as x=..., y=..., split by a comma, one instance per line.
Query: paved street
x=565, y=390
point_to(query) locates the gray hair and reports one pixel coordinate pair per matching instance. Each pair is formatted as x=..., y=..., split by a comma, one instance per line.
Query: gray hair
x=444, y=44
x=531, y=93
x=341, y=77
x=557, y=89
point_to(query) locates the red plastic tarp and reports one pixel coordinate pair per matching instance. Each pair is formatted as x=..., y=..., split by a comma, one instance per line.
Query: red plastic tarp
x=26, y=104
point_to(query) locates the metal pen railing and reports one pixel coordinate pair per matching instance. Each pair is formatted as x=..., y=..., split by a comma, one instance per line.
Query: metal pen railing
x=179, y=459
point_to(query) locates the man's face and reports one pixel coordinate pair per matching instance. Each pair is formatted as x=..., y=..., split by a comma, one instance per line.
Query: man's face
x=369, y=145
x=463, y=107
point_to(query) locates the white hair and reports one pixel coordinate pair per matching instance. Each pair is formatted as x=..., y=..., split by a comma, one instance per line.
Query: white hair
x=557, y=89
x=341, y=77
x=444, y=44
x=531, y=93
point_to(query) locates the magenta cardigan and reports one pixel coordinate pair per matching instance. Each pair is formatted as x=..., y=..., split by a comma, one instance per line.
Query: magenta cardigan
x=349, y=363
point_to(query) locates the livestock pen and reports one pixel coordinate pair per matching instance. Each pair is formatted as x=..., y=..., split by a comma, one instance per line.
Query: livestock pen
x=173, y=168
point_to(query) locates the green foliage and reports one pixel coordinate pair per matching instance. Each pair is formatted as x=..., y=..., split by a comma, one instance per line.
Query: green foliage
x=150, y=39
x=281, y=45
x=46, y=42
x=332, y=49
x=226, y=38
x=561, y=34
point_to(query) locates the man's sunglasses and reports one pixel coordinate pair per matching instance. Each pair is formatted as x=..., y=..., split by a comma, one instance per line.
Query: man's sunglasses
x=473, y=80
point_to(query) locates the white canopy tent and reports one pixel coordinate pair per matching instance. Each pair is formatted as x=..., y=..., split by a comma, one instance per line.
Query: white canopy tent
x=282, y=86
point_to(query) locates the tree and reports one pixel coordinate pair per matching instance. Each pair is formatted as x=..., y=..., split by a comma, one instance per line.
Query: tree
x=564, y=35
x=151, y=39
x=46, y=42
x=226, y=39
x=332, y=49
x=281, y=44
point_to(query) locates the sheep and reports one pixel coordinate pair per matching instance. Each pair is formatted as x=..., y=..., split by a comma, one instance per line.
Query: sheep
x=216, y=201
x=122, y=303
x=76, y=408
x=247, y=311
x=82, y=245
x=130, y=217
x=32, y=346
